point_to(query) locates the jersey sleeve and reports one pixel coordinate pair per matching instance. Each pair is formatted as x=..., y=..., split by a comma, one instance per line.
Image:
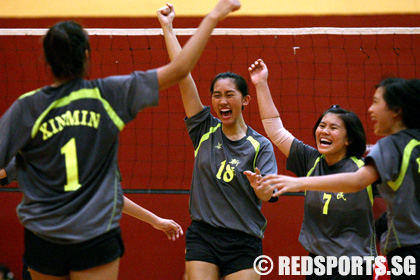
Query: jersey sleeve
x=15, y=129
x=10, y=173
x=266, y=159
x=199, y=124
x=129, y=94
x=266, y=162
x=387, y=162
x=301, y=158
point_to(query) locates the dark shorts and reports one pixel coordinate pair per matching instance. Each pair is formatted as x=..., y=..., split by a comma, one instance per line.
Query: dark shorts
x=403, y=252
x=230, y=250
x=58, y=259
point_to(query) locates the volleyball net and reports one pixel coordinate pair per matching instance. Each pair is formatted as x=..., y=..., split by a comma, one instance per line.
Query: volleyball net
x=310, y=69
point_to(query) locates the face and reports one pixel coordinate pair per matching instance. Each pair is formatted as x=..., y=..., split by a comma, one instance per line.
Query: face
x=381, y=114
x=227, y=101
x=331, y=138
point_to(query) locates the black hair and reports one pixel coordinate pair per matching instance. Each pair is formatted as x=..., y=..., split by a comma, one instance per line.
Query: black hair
x=65, y=46
x=355, y=131
x=239, y=81
x=403, y=95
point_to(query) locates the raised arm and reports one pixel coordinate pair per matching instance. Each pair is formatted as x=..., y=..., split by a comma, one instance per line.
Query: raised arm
x=169, y=227
x=270, y=117
x=189, y=92
x=184, y=62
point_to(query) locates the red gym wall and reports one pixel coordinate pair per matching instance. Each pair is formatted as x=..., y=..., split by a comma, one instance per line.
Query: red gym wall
x=149, y=255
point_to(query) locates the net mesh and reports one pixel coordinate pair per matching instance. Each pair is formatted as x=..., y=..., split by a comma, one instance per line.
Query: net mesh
x=310, y=69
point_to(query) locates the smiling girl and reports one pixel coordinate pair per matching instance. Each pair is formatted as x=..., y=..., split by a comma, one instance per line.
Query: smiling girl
x=334, y=224
x=227, y=226
x=393, y=165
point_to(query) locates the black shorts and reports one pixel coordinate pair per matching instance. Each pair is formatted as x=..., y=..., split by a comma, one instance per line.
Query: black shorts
x=230, y=250
x=58, y=260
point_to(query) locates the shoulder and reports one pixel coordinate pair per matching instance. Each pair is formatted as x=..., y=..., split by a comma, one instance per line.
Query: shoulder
x=299, y=147
x=258, y=139
x=257, y=136
x=202, y=116
x=31, y=93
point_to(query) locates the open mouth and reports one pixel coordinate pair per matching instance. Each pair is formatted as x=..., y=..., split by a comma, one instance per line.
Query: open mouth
x=325, y=141
x=225, y=113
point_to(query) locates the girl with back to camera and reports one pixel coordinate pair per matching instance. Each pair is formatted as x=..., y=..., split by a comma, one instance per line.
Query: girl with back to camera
x=224, y=237
x=393, y=165
x=65, y=139
x=334, y=224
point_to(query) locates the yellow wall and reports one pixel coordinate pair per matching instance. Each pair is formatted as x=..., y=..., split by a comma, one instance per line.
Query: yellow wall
x=133, y=8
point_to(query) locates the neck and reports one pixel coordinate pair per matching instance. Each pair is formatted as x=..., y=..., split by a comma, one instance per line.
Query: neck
x=333, y=159
x=235, y=131
x=398, y=126
x=58, y=82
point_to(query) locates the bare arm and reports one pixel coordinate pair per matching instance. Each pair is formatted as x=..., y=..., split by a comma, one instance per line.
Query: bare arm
x=189, y=92
x=343, y=182
x=269, y=114
x=184, y=62
x=169, y=227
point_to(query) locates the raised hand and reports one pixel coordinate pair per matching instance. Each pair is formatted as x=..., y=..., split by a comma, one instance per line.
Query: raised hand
x=258, y=72
x=166, y=15
x=225, y=7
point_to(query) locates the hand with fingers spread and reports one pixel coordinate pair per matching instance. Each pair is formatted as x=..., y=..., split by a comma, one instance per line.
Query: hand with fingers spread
x=258, y=72
x=264, y=192
x=253, y=177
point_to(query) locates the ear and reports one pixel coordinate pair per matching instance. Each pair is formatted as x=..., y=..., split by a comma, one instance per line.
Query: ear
x=246, y=99
x=397, y=113
x=348, y=142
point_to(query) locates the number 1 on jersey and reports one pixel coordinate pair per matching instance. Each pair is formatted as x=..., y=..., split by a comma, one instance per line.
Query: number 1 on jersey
x=72, y=168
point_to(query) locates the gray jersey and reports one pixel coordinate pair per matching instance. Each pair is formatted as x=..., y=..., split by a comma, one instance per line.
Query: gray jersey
x=10, y=173
x=220, y=193
x=397, y=159
x=334, y=224
x=65, y=140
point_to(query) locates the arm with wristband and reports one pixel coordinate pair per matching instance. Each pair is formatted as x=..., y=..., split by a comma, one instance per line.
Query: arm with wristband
x=270, y=116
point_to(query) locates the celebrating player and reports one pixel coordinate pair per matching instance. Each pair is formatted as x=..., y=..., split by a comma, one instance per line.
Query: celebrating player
x=65, y=139
x=334, y=224
x=392, y=164
x=224, y=237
